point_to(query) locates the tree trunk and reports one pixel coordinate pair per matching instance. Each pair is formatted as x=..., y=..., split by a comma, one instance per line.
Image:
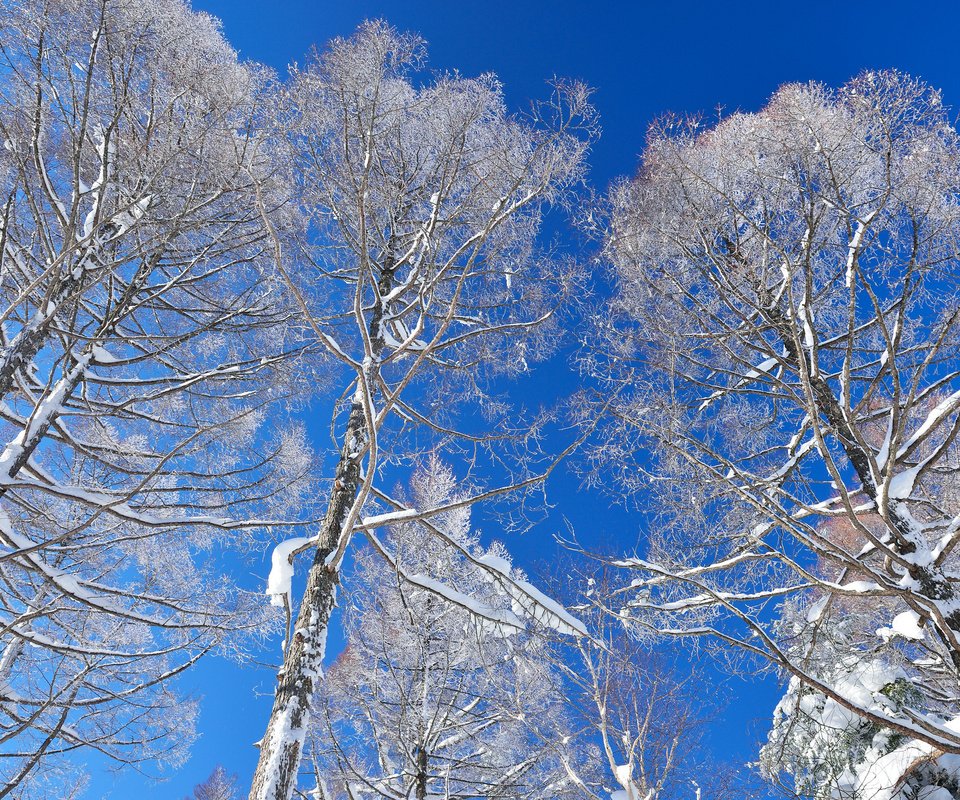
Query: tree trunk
x=932, y=583
x=282, y=746
x=422, y=773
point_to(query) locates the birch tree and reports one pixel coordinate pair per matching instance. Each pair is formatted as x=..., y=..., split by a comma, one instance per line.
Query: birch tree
x=142, y=341
x=630, y=697
x=219, y=786
x=423, y=198
x=441, y=691
x=784, y=363
x=451, y=686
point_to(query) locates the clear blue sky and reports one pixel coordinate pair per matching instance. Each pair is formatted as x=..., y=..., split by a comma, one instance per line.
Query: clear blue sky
x=644, y=59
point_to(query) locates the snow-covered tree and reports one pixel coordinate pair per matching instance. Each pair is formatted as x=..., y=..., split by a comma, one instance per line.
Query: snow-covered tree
x=421, y=199
x=440, y=692
x=783, y=365
x=830, y=752
x=141, y=343
x=219, y=786
x=451, y=687
x=627, y=697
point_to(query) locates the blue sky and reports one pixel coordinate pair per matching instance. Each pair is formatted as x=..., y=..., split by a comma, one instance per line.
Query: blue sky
x=644, y=59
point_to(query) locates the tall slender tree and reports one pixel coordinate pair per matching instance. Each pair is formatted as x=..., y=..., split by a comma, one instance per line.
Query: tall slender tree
x=440, y=692
x=219, y=786
x=642, y=706
x=422, y=200
x=142, y=341
x=785, y=361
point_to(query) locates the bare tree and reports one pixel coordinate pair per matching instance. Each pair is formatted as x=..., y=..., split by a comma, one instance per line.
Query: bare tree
x=630, y=696
x=783, y=356
x=219, y=786
x=441, y=690
x=422, y=200
x=142, y=343
x=450, y=687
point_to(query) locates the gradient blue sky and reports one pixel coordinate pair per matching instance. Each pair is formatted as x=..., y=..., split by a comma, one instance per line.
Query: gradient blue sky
x=644, y=59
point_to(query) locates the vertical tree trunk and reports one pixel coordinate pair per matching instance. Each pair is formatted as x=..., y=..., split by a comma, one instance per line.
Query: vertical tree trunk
x=422, y=773
x=282, y=746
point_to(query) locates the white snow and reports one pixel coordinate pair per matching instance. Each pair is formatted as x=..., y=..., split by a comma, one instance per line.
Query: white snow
x=624, y=774
x=102, y=356
x=901, y=485
x=546, y=610
x=495, y=562
x=881, y=780
x=816, y=610
x=944, y=408
x=531, y=602
x=762, y=368
x=905, y=624
x=389, y=518
x=934, y=793
x=504, y=621
x=855, y=243
x=281, y=569
x=861, y=587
